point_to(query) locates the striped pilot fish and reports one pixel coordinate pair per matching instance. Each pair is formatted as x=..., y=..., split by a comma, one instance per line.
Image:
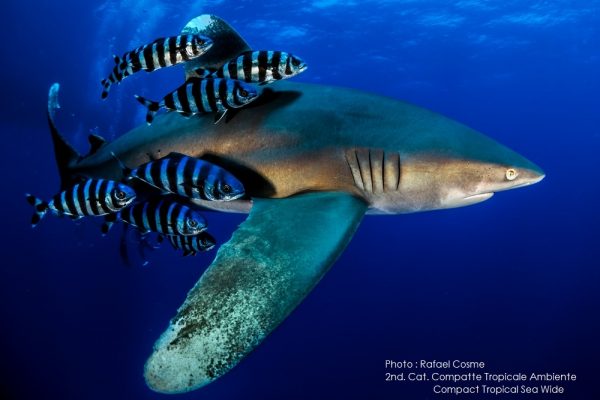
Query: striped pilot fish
x=188, y=177
x=163, y=52
x=92, y=197
x=199, y=96
x=162, y=215
x=262, y=67
x=193, y=244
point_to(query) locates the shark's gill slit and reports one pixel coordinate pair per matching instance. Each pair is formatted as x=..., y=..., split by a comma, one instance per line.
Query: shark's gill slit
x=364, y=160
x=356, y=170
x=371, y=176
x=374, y=170
x=399, y=171
x=383, y=171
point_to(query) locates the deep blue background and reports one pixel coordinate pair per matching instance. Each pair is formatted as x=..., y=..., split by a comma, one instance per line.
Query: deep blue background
x=512, y=282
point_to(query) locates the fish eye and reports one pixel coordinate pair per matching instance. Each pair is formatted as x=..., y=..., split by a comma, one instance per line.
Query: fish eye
x=226, y=189
x=295, y=62
x=511, y=174
x=193, y=223
x=244, y=92
x=120, y=195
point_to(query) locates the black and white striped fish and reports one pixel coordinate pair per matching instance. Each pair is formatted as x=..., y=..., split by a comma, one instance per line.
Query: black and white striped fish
x=199, y=96
x=92, y=197
x=162, y=215
x=193, y=244
x=189, y=177
x=163, y=52
x=262, y=67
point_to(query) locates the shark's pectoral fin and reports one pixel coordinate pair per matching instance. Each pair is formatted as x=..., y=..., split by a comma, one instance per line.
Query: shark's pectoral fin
x=270, y=264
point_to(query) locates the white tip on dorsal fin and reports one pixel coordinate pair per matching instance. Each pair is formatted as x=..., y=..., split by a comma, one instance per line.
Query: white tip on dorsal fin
x=227, y=43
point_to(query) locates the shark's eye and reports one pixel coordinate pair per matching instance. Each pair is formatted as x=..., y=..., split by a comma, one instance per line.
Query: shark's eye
x=511, y=174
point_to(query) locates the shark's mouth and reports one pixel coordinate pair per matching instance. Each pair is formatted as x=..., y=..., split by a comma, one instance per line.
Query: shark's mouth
x=480, y=196
x=477, y=198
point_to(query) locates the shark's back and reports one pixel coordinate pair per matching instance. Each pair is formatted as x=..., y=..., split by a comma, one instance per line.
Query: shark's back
x=296, y=138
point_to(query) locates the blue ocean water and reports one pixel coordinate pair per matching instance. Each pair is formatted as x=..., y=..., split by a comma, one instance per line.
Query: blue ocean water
x=512, y=282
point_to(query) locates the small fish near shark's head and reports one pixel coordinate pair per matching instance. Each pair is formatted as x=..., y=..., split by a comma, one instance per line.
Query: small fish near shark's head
x=120, y=196
x=197, y=45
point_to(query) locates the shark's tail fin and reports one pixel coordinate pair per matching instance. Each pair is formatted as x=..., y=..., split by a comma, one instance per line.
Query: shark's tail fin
x=40, y=208
x=64, y=153
x=153, y=107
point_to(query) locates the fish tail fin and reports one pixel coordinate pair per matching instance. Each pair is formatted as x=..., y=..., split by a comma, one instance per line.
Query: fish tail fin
x=105, y=87
x=202, y=72
x=109, y=221
x=153, y=107
x=40, y=208
x=64, y=153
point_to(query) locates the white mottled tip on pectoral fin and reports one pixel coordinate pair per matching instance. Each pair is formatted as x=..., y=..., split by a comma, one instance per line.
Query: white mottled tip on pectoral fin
x=271, y=263
x=227, y=43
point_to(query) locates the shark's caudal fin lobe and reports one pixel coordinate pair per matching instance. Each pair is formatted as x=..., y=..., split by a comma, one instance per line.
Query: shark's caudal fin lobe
x=64, y=153
x=271, y=263
x=152, y=106
x=40, y=208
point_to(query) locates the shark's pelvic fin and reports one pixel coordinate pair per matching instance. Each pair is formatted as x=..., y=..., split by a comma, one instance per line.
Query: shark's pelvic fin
x=271, y=263
x=96, y=142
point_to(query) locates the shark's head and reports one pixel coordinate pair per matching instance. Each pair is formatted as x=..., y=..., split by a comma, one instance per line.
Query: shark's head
x=462, y=167
x=431, y=162
x=473, y=180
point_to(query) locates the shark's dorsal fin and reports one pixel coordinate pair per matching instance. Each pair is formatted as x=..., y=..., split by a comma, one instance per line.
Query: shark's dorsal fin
x=257, y=279
x=96, y=142
x=227, y=43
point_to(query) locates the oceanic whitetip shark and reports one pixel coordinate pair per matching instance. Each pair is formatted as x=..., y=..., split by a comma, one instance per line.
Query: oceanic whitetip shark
x=304, y=152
